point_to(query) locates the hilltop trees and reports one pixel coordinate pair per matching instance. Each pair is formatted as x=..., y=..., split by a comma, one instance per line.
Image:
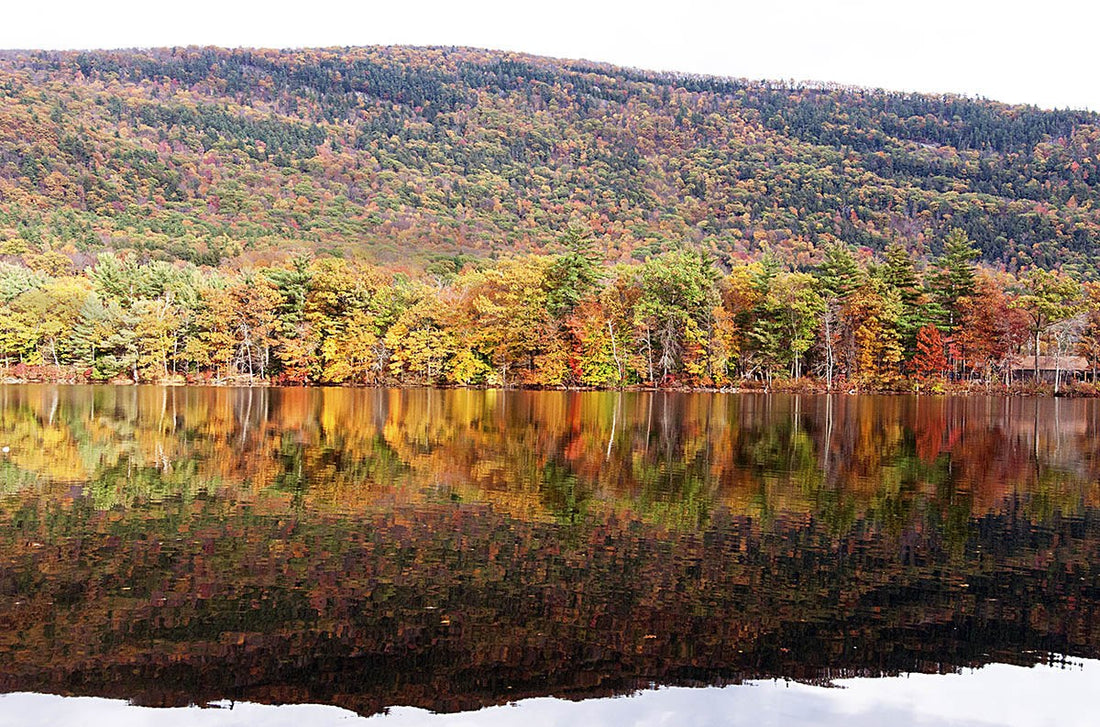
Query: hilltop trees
x=211, y=155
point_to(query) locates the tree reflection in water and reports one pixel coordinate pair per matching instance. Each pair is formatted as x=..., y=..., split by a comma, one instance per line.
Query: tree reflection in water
x=457, y=549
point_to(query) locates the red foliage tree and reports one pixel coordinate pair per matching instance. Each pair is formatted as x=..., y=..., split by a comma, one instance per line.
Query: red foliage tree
x=929, y=362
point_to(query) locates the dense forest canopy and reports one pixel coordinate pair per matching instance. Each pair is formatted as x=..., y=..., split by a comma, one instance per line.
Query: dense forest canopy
x=211, y=155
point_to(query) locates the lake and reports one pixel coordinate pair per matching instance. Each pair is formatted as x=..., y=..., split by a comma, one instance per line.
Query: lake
x=314, y=556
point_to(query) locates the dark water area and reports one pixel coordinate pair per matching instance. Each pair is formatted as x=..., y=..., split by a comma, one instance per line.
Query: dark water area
x=454, y=550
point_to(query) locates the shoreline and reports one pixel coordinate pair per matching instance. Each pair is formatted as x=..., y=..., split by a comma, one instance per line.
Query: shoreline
x=1021, y=389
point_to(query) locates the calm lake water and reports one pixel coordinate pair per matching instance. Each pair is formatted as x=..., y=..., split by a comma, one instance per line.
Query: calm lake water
x=343, y=552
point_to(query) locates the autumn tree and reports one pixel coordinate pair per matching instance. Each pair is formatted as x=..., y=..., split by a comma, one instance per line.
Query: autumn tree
x=155, y=323
x=787, y=320
x=1047, y=297
x=870, y=342
x=735, y=315
x=1089, y=343
x=603, y=326
x=348, y=309
x=677, y=297
x=929, y=362
x=839, y=276
x=37, y=324
x=423, y=339
x=506, y=323
x=990, y=330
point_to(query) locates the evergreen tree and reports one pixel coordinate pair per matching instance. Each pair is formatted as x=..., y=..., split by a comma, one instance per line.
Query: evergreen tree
x=839, y=276
x=953, y=277
x=900, y=275
x=838, y=272
x=574, y=274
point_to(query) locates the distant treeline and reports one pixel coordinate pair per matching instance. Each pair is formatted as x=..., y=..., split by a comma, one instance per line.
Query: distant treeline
x=567, y=319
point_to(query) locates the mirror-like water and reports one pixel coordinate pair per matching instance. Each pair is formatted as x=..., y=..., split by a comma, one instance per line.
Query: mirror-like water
x=454, y=550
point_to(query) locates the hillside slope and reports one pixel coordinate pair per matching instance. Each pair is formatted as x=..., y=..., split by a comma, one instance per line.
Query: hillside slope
x=397, y=153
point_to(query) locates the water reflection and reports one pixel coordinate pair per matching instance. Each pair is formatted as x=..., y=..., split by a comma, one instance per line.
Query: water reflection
x=456, y=549
x=548, y=454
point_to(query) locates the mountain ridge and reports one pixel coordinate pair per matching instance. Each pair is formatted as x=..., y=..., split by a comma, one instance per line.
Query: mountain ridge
x=399, y=153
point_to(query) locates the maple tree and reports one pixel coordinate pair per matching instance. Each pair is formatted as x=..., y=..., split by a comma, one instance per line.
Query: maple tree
x=929, y=363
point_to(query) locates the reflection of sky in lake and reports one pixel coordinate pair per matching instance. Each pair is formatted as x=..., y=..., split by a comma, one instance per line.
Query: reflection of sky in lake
x=999, y=694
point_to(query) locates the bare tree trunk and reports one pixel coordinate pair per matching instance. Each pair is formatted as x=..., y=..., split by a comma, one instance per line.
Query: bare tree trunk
x=615, y=353
x=830, y=353
x=649, y=352
x=1035, y=358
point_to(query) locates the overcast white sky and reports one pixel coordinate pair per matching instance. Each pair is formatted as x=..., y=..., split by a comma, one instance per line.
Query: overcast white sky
x=1020, y=52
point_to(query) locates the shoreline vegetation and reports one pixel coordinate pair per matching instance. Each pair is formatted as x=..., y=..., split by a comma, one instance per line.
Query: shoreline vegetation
x=1073, y=389
x=682, y=320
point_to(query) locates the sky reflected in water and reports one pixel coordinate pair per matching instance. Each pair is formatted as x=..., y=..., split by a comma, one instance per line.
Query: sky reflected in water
x=998, y=694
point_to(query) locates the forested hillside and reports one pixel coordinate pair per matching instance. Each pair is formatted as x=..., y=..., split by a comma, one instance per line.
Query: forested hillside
x=401, y=154
x=452, y=216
